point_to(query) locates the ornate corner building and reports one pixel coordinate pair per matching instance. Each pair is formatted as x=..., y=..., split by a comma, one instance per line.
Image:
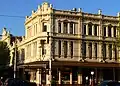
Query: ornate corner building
x=76, y=43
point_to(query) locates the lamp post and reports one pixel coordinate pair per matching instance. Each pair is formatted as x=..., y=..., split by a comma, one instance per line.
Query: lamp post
x=92, y=73
x=86, y=78
x=15, y=59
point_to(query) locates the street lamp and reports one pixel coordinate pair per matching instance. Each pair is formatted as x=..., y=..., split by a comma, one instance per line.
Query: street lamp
x=86, y=78
x=92, y=73
x=15, y=58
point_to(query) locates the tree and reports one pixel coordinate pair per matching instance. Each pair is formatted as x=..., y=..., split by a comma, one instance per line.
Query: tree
x=4, y=54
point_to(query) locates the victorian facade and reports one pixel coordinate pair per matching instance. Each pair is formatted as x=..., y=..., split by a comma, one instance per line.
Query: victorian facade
x=75, y=43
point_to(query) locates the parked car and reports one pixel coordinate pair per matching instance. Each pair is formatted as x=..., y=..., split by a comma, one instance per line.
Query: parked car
x=18, y=82
x=109, y=83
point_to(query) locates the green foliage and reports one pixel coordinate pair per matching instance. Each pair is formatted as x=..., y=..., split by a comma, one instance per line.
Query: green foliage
x=4, y=54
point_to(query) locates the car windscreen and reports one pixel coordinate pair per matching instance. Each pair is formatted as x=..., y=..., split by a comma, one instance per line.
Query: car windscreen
x=113, y=84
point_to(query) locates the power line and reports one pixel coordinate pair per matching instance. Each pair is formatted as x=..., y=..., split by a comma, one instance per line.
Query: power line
x=12, y=16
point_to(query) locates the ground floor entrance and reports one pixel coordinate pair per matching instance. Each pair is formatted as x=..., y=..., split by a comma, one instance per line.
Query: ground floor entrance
x=71, y=74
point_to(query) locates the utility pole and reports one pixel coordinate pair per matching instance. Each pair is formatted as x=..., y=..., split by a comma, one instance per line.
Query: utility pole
x=15, y=60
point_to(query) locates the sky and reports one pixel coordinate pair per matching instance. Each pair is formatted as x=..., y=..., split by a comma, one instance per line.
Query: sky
x=24, y=7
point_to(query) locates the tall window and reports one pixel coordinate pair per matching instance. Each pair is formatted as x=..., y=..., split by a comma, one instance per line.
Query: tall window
x=115, y=53
x=44, y=27
x=115, y=31
x=65, y=27
x=59, y=48
x=59, y=27
x=29, y=31
x=71, y=28
x=71, y=44
x=43, y=47
x=104, y=51
x=89, y=29
x=110, y=51
x=95, y=30
x=90, y=50
x=22, y=54
x=95, y=46
x=104, y=31
x=84, y=50
x=34, y=48
x=84, y=29
x=29, y=50
x=109, y=31
x=65, y=49
x=35, y=29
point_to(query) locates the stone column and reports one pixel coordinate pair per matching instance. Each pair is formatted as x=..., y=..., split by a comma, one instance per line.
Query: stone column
x=107, y=31
x=93, y=29
x=68, y=28
x=73, y=28
x=38, y=49
x=38, y=77
x=100, y=29
x=47, y=77
x=55, y=26
x=99, y=50
x=70, y=77
x=113, y=56
x=97, y=30
x=59, y=82
x=69, y=49
x=62, y=26
x=86, y=29
x=112, y=31
x=93, y=50
x=62, y=49
x=107, y=51
x=56, y=48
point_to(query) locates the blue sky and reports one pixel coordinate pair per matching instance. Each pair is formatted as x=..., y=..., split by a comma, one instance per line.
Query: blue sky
x=24, y=8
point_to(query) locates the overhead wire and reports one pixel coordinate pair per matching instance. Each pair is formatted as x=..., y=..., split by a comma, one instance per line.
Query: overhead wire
x=11, y=16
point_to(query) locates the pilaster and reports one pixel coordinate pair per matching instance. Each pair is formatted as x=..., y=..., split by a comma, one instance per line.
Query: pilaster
x=87, y=50
x=73, y=28
x=113, y=52
x=62, y=49
x=107, y=51
x=68, y=28
x=112, y=31
x=107, y=31
x=86, y=29
x=62, y=26
x=69, y=49
x=99, y=50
